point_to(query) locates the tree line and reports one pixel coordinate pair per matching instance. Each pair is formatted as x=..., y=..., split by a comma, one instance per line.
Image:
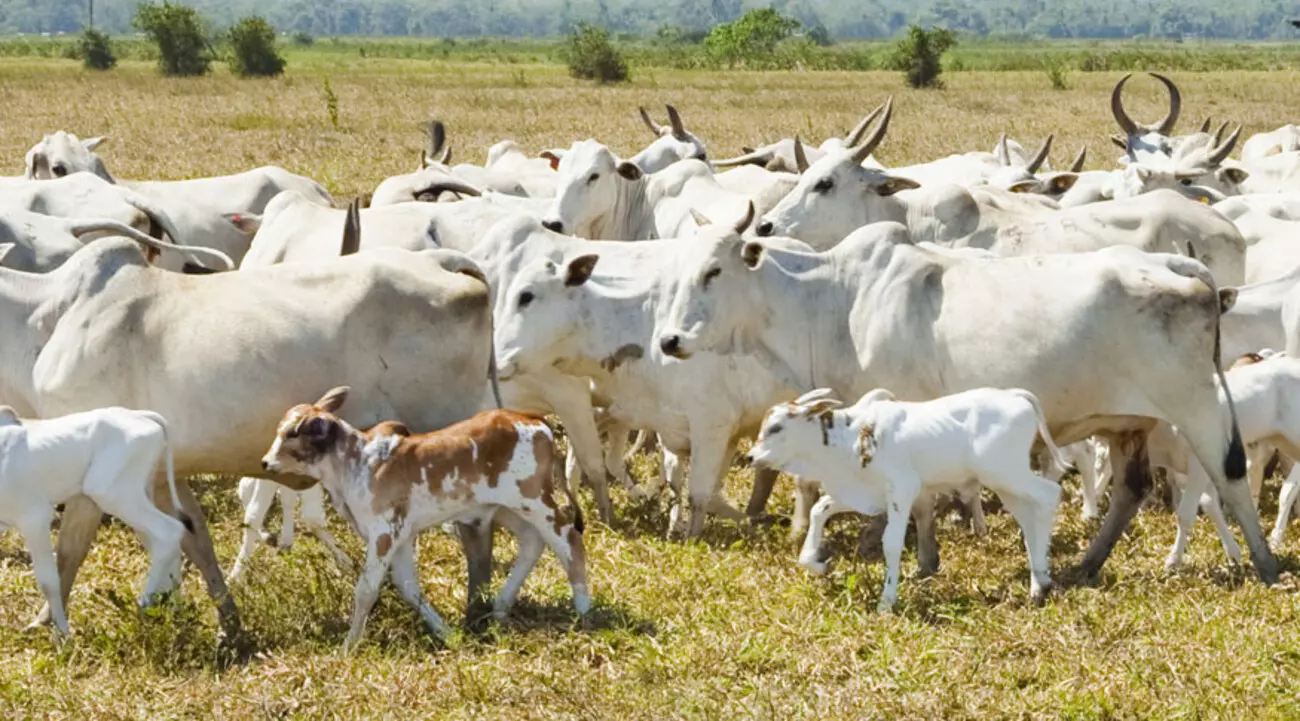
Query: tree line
x=689, y=19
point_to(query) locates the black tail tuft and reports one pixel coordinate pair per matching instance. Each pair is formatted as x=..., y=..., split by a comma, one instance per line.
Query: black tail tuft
x=196, y=269
x=1234, y=464
x=578, y=522
x=185, y=521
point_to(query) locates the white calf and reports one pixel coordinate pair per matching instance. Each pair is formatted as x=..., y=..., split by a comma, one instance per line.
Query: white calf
x=109, y=455
x=256, y=495
x=880, y=456
x=391, y=485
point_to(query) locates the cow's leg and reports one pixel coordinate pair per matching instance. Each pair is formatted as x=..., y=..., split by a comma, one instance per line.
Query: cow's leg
x=572, y=471
x=709, y=459
x=313, y=517
x=367, y=588
x=530, y=549
x=36, y=532
x=1129, y=452
x=927, y=544
x=1258, y=456
x=805, y=495
x=1034, y=508
x=1187, y=506
x=407, y=582
x=764, y=481
x=901, y=500
x=674, y=473
x=476, y=539
x=1088, y=481
x=572, y=403
x=78, y=527
x=1210, y=445
x=256, y=495
x=970, y=500
x=1210, y=504
x=1290, y=494
x=197, y=547
x=812, y=557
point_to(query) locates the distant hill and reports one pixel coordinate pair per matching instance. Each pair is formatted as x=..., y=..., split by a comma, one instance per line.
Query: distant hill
x=1236, y=19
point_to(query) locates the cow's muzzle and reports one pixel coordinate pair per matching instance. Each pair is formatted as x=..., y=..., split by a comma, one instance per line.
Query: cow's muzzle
x=671, y=345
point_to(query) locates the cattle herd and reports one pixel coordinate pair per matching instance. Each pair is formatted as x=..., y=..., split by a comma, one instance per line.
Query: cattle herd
x=941, y=328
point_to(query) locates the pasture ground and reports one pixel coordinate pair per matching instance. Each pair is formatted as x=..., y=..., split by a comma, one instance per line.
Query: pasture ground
x=727, y=627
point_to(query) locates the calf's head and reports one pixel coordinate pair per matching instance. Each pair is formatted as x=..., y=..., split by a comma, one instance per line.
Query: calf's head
x=795, y=433
x=306, y=435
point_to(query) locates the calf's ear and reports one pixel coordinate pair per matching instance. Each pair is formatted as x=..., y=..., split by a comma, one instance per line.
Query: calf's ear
x=333, y=399
x=580, y=269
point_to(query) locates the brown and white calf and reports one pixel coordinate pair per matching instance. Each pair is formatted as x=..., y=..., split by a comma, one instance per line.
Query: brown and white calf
x=391, y=485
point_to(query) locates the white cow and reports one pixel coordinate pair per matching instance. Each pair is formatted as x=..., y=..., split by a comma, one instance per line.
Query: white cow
x=1285, y=139
x=589, y=310
x=409, y=331
x=108, y=456
x=1138, y=331
x=880, y=456
x=38, y=243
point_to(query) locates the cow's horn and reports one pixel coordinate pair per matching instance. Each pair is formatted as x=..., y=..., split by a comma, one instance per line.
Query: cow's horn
x=1117, y=108
x=1205, y=126
x=352, y=229
x=675, y=121
x=449, y=185
x=1166, y=126
x=855, y=135
x=862, y=152
x=437, y=138
x=1042, y=154
x=1077, y=165
x=1221, y=151
x=655, y=128
x=800, y=157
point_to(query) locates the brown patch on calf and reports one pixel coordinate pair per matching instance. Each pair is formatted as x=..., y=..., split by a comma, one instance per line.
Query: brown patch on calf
x=631, y=351
x=383, y=545
x=867, y=445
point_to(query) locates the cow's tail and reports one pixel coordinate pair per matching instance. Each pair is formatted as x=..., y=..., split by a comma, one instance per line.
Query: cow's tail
x=1234, y=461
x=1055, y=450
x=171, y=470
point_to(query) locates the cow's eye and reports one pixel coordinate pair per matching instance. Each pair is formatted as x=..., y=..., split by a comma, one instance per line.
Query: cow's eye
x=291, y=434
x=60, y=171
x=594, y=177
x=1186, y=181
x=525, y=298
x=714, y=273
x=824, y=185
x=774, y=429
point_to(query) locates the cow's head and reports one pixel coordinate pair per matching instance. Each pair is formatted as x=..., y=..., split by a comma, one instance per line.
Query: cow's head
x=589, y=188
x=716, y=302
x=1143, y=142
x=307, y=434
x=837, y=195
x=673, y=142
x=793, y=434
x=539, y=314
x=1028, y=176
x=63, y=154
x=1199, y=169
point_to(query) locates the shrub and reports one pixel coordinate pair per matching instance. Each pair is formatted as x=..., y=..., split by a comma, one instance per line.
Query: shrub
x=753, y=36
x=591, y=56
x=1058, y=74
x=302, y=39
x=183, y=47
x=95, y=51
x=252, y=49
x=920, y=55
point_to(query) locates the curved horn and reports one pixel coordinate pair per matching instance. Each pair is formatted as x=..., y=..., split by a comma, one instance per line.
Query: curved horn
x=1042, y=154
x=448, y=185
x=79, y=228
x=800, y=157
x=675, y=122
x=655, y=128
x=1218, y=134
x=1205, y=126
x=757, y=157
x=1001, y=150
x=1221, y=151
x=855, y=135
x=1117, y=108
x=352, y=229
x=812, y=395
x=1166, y=126
x=437, y=138
x=1077, y=165
x=862, y=152
x=743, y=224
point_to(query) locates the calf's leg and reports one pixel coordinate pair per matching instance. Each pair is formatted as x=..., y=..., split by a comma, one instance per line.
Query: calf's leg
x=313, y=517
x=900, y=505
x=530, y=549
x=805, y=495
x=811, y=556
x=367, y=589
x=36, y=532
x=1290, y=494
x=256, y=495
x=407, y=582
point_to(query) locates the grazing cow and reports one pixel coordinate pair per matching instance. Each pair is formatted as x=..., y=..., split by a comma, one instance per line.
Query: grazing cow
x=565, y=311
x=38, y=243
x=108, y=456
x=411, y=331
x=882, y=456
x=392, y=485
x=877, y=310
x=200, y=208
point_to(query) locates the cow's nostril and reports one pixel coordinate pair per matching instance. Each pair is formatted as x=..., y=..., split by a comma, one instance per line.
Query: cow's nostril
x=765, y=229
x=670, y=344
x=266, y=465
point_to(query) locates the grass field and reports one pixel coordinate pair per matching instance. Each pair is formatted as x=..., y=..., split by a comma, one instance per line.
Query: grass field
x=725, y=628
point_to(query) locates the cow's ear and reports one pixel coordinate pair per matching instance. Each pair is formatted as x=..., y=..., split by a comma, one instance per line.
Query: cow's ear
x=629, y=170
x=1236, y=176
x=246, y=223
x=580, y=269
x=1023, y=186
x=1227, y=298
x=92, y=143
x=892, y=184
x=333, y=399
x=1062, y=182
x=752, y=254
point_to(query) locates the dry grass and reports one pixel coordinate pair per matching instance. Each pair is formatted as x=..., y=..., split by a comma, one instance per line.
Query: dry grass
x=729, y=627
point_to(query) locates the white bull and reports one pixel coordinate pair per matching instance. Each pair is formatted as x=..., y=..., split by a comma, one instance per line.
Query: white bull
x=1138, y=331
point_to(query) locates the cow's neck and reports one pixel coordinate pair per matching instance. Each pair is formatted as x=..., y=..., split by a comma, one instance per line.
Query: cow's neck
x=25, y=326
x=631, y=218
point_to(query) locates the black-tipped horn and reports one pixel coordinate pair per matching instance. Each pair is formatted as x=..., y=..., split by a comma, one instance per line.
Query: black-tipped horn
x=1001, y=150
x=352, y=229
x=1218, y=134
x=433, y=190
x=1042, y=154
x=1077, y=165
x=1205, y=126
x=855, y=135
x=1221, y=151
x=800, y=157
x=655, y=128
x=1166, y=126
x=675, y=122
x=437, y=139
x=1117, y=108
x=862, y=152
x=743, y=224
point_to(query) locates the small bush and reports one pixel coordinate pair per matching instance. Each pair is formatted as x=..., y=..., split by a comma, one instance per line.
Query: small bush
x=753, y=37
x=920, y=55
x=591, y=56
x=183, y=47
x=95, y=51
x=1058, y=74
x=302, y=39
x=252, y=49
